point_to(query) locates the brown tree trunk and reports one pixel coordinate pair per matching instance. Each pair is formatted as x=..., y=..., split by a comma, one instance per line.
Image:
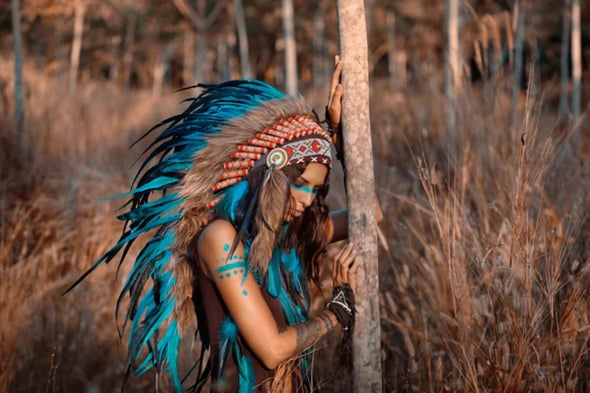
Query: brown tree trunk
x=518, y=49
x=290, y=47
x=576, y=61
x=79, y=12
x=129, y=43
x=369, y=5
x=564, y=61
x=452, y=69
x=200, y=21
x=19, y=112
x=390, y=20
x=242, y=39
x=361, y=194
x=188, y=57
x=320, y=67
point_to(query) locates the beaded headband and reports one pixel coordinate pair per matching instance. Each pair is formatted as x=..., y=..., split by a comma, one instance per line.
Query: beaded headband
x=295, y=140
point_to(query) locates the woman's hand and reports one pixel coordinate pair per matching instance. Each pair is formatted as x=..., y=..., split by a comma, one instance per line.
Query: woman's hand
x=345, y=266
x=334, y=109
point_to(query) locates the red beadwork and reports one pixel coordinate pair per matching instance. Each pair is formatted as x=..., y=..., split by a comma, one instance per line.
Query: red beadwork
x=238, y=164
x=251, y=156
x=226, y=183
x=252, y=149
x=232, y=174
x=213, y=203
x=258, y=142
x=269, y=138
x=276, y=133
x=315, y=146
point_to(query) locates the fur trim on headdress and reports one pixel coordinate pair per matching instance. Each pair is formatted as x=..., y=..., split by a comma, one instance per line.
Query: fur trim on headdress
x=208, y=164
x=272, y=202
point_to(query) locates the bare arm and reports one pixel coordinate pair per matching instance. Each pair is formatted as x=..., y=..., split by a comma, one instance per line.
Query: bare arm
x=337, y=226
x=244, y=300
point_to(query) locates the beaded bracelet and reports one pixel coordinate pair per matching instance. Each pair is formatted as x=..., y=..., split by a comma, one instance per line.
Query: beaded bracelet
x=342, y=305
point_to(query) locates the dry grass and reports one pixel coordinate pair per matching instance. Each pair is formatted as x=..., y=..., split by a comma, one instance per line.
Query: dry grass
x=52, y=227
x=485, y=287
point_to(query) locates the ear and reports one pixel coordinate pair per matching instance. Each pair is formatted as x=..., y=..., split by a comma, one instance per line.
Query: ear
x=272, y=202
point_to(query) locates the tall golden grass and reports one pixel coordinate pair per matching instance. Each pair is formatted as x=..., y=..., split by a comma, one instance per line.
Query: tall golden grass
x=484, y=286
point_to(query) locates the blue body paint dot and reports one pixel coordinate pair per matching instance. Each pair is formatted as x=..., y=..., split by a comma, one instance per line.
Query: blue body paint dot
x=241, y=270
x=221, y=277
x=235, y=272
x=245, y=292
x=226, y=247
x=228, y=275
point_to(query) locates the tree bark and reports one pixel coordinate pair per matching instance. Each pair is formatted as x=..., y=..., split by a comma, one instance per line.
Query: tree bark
x=320, y=67
x=390, y=21
x=242, y=39
x=188, y=57
x=290, y=47
x=452, y=69
x=576, y=60
x=200, y=21
x=518, y=49
x=360, y=183
x=225, y=46
x=369, y=5
x=564, y=61
x=19, y=112
x=79, y=11
x=129, y=44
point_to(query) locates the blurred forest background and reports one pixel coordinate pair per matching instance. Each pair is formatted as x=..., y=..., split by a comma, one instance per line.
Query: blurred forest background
x=481, y=142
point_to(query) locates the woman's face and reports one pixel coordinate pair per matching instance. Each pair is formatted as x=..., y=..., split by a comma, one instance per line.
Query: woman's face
x=304, y=189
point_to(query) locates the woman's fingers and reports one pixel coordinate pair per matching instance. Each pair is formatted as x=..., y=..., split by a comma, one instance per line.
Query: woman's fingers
x=335, y=76
x=343, y=261
x=335, y=87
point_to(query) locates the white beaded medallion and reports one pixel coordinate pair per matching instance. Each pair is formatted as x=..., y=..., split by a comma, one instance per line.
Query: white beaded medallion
x=277, y=157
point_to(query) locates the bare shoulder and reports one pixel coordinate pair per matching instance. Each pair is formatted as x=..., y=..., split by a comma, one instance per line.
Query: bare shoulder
x=215, y=243
x=215, y=232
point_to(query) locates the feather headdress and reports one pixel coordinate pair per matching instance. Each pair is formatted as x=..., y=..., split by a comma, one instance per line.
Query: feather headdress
x=190, y=168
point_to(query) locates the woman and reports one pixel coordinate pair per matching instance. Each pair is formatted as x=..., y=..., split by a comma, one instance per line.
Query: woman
x=240, y=228
x=251, y=287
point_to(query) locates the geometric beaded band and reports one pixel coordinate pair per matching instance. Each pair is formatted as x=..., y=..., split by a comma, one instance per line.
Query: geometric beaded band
x=300, y=137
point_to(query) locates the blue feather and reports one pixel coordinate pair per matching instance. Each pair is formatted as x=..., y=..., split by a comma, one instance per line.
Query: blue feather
x=182, y=137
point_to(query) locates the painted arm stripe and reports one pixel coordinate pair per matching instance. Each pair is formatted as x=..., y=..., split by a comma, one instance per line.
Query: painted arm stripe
x=230, y=266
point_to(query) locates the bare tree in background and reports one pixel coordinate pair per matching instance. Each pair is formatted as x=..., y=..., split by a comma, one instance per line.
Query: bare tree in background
x=391, y=66
x=201, y=21
x=452, y=68
x=360, y=183
x=518, y=27
x=19, y=112
x=369, y=5
x=129, y=43
x=79, y=13
x=242, y=39
x=320, y=59
x=290, y=47
x=564, y=60
x=576, y=60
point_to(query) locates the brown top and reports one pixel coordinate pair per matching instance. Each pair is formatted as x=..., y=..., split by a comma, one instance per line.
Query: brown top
x=215, y=313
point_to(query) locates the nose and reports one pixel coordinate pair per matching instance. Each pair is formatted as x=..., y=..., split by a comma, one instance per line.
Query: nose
x=307, y=199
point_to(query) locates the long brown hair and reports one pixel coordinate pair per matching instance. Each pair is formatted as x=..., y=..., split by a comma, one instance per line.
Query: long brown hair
x=306, y=233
